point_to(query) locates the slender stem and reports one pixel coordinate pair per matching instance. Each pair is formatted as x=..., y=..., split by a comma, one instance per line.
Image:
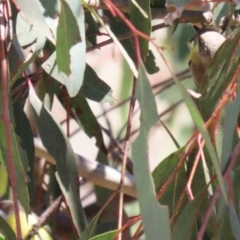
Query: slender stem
x=226, y=175
x=6, y=114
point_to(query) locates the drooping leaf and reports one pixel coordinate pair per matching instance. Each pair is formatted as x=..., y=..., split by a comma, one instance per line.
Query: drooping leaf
x=218, y=75
x=92, y=28
x=96, y=89
x=230, y=137
x=196, y=116
x=39, y=46
x=31, y=12
x=20, y=165
x=150, y=63
x=154, y=216
x=186, y=225
x=74, y=81
x=24, y=132
x=26, y=35
x=119, y=29
x=225, y=229
x=51, y=8
x=59, y=147
x=92, y=87
x=161, y=174
x=6, y=229
x=19, y=157
x=68, y=35
x=81, y=111
x=105, y=236
x=91, y=228
x=142, y=23
x=234, y=219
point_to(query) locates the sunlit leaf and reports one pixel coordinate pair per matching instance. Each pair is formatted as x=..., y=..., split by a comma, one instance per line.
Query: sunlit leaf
x=6, y=229
x=68, y=35
x=32, y=14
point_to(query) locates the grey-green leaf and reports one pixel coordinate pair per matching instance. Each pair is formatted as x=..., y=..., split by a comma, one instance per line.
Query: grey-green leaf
x=68, y=35
x=154, y=216
x=60, y=148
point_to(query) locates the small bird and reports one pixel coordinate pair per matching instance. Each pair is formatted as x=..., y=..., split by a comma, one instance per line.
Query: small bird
x=201, y=54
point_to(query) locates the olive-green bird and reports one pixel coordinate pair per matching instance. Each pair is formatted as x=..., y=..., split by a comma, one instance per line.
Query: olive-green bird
x=201, y=54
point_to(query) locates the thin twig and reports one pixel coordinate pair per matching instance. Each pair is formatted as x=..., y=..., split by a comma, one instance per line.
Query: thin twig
x=43, y=218
x=136, y=34
x=226, y=174
x=6, y=114
x=156, y=13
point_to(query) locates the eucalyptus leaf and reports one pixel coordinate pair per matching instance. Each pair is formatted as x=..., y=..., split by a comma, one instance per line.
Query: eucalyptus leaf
x=68, y=35
x=154, y=216
x=59, y=147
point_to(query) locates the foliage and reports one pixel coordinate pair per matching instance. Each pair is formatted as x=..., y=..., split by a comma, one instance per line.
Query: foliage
x=193, y=192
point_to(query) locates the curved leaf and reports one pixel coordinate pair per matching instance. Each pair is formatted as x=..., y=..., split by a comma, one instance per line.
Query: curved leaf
x=59, y=147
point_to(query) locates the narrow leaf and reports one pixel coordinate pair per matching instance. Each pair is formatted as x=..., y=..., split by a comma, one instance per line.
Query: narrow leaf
x=155, y=217
x=6, y=229
x=92, y=87
x=39, y=46
x=105, y=236
x=142, y=22
x=68, y=35
x=31, y=12
x=82, y=112
x=59, y=147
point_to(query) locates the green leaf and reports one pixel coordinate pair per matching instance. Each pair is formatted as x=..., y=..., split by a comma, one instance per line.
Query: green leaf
x=73, y=82
x=225, y=231
x=176, y=188
x=229, y=128
x=218, y=75
x=20, y=171
x=154, y=216
x=157, y=3
x=91, y=227
x=31, y=12
x=57, y=144
x=96, y=89
x=142, y=23
x=202, y=128
x=186, y=225
x=51, y=8
x=150, y=63
x=6, y=229
x=39, y=46
x=68, y=35
x=24, y=132
x=92, y=28
x=234, y=221
x=92, y=87
x=25, y=34
x=82, y=112
x=20, y=162
x=105, y=236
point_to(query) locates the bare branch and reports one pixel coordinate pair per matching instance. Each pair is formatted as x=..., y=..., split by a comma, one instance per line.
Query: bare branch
x=95, y=172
